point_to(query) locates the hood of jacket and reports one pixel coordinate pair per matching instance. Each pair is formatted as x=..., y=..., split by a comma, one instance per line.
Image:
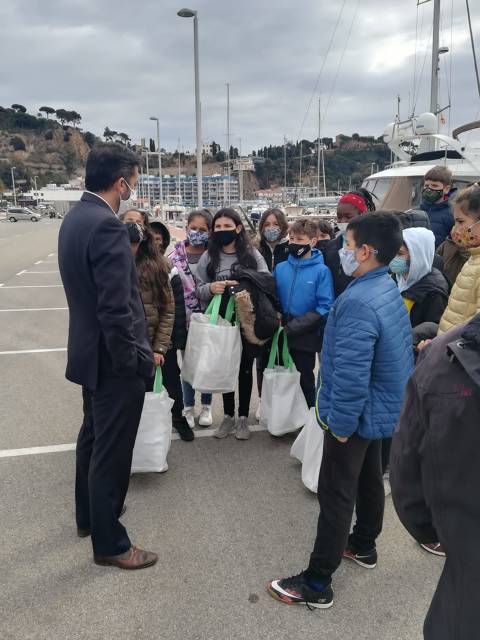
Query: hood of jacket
x=466, y=349
x=420, y=243
x=305, y=263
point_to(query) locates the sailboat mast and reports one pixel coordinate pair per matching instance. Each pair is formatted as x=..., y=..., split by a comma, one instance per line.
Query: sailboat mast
x=318, y=146
x=435, y=57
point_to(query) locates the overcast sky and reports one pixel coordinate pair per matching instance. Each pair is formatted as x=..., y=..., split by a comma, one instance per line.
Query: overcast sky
x=119, y=62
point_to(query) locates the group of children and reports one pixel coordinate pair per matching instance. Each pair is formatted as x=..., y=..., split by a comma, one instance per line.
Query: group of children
x=353, y=300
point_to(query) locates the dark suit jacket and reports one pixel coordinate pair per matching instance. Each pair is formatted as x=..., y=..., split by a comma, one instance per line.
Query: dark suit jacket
x=107, y=331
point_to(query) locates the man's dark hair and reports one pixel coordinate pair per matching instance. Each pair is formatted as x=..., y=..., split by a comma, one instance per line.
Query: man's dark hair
x=106, y=163
x=380, y=230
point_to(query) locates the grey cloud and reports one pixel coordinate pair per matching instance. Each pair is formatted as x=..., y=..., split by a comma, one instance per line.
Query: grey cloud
x=119, y=62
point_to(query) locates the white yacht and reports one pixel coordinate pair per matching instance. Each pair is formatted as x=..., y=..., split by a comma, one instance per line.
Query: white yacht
x=399, y=186
x=417, y=144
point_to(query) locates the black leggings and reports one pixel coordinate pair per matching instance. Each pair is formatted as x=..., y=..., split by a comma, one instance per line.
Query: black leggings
x=245, y=383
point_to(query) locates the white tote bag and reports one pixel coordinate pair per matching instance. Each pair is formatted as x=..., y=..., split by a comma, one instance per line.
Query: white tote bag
x=155, y=430
x=309, y=445
x=214, y=348
x=283, y=406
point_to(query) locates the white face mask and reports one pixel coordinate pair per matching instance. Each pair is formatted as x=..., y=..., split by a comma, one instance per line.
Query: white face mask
x=342, y=227
x=132, y=195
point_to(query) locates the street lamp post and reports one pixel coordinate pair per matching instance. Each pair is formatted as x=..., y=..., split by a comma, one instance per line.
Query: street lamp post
x=147, y=151
x=189, y=13
x=13, y=186
x=35, y=182
x=159, y=163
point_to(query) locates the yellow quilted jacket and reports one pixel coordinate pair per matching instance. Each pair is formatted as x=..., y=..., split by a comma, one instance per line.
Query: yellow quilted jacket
x=464, y=301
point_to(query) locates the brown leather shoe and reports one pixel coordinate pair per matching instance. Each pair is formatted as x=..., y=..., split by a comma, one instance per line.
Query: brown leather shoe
x=132, y=559
x=84, y=533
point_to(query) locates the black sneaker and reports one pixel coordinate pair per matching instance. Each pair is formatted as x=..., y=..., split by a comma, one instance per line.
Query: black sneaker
x=296, y=590
x=365, y=560
x=184, y=430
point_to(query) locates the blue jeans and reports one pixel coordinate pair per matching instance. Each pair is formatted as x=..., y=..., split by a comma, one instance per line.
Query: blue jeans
x=189, y=395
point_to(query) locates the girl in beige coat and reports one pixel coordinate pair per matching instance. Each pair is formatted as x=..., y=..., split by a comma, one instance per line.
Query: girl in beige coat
x=464, y=301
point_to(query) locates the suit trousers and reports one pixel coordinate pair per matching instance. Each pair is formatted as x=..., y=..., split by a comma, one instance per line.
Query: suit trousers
x=104, y=459
x=350, y=478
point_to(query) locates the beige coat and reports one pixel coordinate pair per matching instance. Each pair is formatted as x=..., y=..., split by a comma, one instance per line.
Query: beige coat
x=464, y=301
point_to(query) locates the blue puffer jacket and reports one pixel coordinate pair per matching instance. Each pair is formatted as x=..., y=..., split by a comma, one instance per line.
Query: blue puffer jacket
x=441, y=219
x=367, y=359
x=305, y=291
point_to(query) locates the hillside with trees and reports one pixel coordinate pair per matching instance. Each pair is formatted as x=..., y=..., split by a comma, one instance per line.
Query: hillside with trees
x=49, y=145
x=348, y=160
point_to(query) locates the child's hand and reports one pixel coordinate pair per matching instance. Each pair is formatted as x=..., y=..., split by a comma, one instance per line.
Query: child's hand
x=342, y=440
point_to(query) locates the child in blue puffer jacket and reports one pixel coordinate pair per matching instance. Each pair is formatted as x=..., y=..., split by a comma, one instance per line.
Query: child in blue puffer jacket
x=305, y=290
x=366, y=361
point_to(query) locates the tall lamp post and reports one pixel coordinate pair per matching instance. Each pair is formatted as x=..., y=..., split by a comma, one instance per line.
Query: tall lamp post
x=35, y=182
x=189, y=13
x=159, y=162
x=13, y=186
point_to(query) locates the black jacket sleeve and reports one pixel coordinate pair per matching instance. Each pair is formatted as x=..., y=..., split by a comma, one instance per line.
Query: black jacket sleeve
x=111, y=263
x=179, y=333
x=406, y=471
x=310, y=321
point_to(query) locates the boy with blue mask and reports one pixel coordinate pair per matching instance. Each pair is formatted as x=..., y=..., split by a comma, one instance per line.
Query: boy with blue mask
x=366, y=361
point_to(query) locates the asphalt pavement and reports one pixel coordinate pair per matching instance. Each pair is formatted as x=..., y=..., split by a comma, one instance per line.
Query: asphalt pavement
x=227, y=516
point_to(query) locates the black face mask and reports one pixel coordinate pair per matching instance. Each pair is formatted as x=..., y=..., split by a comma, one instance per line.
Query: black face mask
x=432, y=195
x=135, y=232
x=298, y=250
x=222, y=238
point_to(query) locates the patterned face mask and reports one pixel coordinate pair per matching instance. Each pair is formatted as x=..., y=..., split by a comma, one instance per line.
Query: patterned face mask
x=197, y=238
x=464, y=237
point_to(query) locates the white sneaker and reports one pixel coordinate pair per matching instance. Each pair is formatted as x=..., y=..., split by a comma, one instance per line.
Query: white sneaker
x=257, y=415
x=205, y=419
x=189, y=414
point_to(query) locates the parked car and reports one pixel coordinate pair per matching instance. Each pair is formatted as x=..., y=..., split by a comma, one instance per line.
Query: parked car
x=22, y=213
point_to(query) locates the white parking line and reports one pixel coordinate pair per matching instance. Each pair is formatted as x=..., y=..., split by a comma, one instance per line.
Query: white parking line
x=30, y=451
x=51, y=255
x=39, y=309
x=58, y=448
x=25, y=271
x=39, y=262
x=31, y=286
x=24, y=351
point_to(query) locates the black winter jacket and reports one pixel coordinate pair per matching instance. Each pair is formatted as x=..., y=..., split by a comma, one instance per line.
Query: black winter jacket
x=257, y=304
x=441, y=219
x=435, y=475
x=179, y=332
x=272, y=258
x=332, y=260
x=430, y=295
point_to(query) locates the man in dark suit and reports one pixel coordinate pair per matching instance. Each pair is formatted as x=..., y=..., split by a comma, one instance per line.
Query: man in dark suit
x=108, y=351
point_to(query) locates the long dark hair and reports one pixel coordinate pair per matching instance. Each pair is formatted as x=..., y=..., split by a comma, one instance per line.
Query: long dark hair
x=243, y=246
x=153, y=271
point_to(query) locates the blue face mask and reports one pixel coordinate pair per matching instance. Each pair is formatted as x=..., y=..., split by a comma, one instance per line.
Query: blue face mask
x=399, y=265
x=197, y=238
x=271, y=234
